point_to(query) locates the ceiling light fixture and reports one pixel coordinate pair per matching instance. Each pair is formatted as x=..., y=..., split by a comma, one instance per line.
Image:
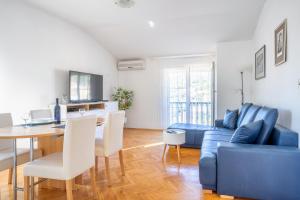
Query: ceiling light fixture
x=125, y=3
x=151, y=24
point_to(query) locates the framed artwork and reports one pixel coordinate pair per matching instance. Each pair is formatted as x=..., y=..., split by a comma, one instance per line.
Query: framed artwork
x=281, y=43
x=260, y=63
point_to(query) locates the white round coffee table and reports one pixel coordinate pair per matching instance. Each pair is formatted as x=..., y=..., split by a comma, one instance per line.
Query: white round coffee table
x=173, y=137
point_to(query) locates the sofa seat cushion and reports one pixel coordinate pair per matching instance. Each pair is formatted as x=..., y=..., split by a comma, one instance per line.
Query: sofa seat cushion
x=194, y=133
x=189, y=126
x=212, y=138
x=208, y=158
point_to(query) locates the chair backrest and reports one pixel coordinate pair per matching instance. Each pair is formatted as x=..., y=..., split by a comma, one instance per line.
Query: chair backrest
x=113, y=132
x=5, y=121
x=42, y=114
x=79, y=145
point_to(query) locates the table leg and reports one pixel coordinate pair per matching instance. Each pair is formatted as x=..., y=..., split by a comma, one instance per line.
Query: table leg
x=178, y=153
x=15, y=169
x=31, y=178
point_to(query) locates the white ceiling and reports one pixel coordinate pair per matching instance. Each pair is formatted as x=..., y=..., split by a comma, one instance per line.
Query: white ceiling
x=181, y=26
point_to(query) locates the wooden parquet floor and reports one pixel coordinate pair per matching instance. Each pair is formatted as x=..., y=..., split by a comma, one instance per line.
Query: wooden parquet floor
x=147, y=176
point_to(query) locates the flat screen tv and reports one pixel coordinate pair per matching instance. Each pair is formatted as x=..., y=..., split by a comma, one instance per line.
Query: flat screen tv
x=85, y=87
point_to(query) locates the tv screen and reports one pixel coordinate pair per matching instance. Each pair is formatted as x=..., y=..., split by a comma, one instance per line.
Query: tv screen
x=85, y=87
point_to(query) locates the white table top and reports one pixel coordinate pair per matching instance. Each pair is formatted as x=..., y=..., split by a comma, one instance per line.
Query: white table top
x=30, y=132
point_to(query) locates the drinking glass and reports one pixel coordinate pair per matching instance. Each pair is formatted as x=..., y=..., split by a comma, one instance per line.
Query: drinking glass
x=81, y=111
x=25, y=117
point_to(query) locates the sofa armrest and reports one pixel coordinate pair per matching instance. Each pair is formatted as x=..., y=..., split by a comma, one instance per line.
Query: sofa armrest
x=219, y=123
x=258, y=171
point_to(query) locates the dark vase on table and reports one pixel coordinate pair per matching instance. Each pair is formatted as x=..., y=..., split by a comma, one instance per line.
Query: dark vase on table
x=57, y=112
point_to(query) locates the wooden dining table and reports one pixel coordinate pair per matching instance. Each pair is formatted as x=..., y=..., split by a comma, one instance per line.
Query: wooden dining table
x=49, y=140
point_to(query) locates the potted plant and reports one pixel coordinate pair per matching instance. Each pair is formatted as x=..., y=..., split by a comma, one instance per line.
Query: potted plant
x=124, y=98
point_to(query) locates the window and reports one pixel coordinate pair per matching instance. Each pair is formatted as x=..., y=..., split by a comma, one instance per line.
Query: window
x=189, y=94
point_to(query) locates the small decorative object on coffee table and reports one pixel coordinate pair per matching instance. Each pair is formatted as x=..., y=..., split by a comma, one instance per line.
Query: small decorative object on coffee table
x=174, y=137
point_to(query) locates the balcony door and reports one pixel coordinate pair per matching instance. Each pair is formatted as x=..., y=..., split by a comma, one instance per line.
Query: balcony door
x=190, y=94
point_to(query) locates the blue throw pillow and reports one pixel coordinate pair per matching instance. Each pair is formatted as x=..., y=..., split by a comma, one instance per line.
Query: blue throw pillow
x=248, y=133
x=230, y=119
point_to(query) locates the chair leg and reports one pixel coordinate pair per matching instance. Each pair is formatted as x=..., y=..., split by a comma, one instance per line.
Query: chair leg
x=26, y=187
x=178, y=153
x=122, y=162
x=69, y=188
x=107, y=170
x=165, y=147
x=96, y=163
x=93, y=180
x=10, y=173
x=79, y=179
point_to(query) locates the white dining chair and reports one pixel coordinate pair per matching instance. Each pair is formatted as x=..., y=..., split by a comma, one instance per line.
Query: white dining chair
x=111, y=141
x=78, y=156
x=41, y=114
x=6, y=149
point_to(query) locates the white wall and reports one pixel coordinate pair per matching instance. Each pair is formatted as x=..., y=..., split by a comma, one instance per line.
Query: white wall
x=232, y=58
x=148, y=105
x=280, y=87
x=145, y=112
x=36, y=52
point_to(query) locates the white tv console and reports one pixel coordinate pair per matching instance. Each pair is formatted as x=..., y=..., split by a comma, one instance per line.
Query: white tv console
x=98, y=108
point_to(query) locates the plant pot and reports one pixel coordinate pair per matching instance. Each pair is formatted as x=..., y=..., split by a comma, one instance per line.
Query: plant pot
x=125, y=119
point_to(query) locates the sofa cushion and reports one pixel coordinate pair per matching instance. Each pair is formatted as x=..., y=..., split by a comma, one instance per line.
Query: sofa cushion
x=250, y=115
x=282, y=136
x=219, y=123
x=230, y=119
x=193, y=133
x=269, y=116
x=208, y=159
x=248, y=133
x=243, y=110
x=219, y=136
x=207, y=171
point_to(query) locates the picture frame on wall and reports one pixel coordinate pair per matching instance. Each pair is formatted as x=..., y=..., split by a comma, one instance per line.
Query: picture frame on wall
x=281, y=43
x=260, y=63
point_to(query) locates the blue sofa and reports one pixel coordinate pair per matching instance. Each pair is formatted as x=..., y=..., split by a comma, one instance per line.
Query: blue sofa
x=268, y=169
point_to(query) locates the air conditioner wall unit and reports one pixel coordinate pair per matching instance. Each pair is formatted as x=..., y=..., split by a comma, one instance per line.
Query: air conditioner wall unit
x=126, y=65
